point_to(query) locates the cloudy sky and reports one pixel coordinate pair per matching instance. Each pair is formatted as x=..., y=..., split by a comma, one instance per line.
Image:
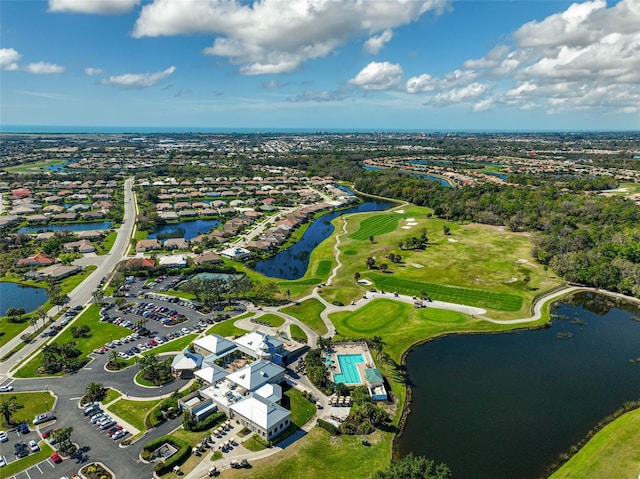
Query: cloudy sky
x=354, y=64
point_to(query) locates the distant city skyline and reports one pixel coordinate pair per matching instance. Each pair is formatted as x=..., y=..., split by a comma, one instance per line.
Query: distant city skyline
x=353, y=65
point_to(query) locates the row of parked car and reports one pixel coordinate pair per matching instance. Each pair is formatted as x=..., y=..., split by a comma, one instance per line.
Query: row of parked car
x=103, y=421
x=158, y=313
x=172, y=299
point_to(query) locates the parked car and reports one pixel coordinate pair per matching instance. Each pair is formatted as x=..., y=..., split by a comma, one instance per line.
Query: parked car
x=119, y=434
x=6, y=389
x=21, y=449
x=40, y=418
x=3, y=436
x=23, y=428
x=2, y=462
x=33, y=445
x=55, y=457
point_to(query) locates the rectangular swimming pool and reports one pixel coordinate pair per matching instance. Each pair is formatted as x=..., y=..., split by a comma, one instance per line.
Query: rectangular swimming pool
x=349, y=371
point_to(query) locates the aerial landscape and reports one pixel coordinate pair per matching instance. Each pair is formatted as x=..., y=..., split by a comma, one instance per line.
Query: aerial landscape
x=388, y=239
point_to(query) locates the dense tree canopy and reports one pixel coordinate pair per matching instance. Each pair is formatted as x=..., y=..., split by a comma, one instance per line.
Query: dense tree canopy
x=414, y=467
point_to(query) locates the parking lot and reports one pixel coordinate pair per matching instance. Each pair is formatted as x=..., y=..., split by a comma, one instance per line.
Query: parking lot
x=153, y=318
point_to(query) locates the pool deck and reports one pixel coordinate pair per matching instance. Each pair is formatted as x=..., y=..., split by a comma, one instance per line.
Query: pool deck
x=343, y=349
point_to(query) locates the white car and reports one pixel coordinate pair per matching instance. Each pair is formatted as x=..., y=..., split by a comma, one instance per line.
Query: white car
x=33, y=445
x=6, y=389
x=2, y=461
x=119, y=434
x=3, y=436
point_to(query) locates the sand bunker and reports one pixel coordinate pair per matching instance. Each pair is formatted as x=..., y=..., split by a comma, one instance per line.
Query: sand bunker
x=366, y=282
x=400, y=211
x=512, y=280
x=521, y=260
x=451, y=240
x=410, y=220
x=406, y=227
x=416, y=265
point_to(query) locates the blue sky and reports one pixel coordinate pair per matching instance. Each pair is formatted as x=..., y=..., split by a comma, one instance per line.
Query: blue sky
x=354, y=64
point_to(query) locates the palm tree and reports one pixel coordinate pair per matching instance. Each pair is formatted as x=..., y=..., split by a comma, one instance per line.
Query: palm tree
x=97, y=295
x=113, y=358
x=33, y=322
x=9, y=407
x=13, y=315
x=386, y=359
x=41, y=314
x=94, y=391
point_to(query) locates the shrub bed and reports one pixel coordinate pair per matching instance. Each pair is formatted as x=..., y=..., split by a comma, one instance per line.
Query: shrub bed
x=208, y=423
x=184, y=451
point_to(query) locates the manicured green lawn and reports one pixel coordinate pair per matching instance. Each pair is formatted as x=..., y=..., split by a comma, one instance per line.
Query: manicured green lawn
x=26, y=462
x=34, y=403
x=297, y=334
x=133, y=412
x=376, y=225
x=451, y=294
x=33, y=167
x=253, y=444
x=324, y=268
x=313, y=456
x=308, y=312
x=481, y=258
x=272, y=320
x=226, y=329
x=99, y=334
x=613, y=453
x=301, y=408
x=106, y=245
x=111, y=395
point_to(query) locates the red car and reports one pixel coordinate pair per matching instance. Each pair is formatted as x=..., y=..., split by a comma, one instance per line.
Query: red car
x=55, y=457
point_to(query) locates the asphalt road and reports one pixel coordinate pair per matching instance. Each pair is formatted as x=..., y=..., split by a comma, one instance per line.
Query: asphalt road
x=83, y=293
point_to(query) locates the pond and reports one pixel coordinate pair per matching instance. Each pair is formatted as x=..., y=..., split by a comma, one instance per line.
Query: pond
x=507, y=405
x=185, y=229
x=14, y=295
x=292, y=262
x=89, y=226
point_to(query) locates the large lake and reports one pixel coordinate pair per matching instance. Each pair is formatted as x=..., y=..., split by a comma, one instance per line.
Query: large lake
x=292, y=262
x=505, y=406
x=13, y=295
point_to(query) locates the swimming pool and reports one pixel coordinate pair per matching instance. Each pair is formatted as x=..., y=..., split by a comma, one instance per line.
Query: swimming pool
x=349, y=371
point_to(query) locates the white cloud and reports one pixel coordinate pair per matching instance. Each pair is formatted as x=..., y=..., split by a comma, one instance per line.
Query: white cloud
x=101, y=7
x=138, y=80
x=584, y=58
x=44, y=68
x=93, y=71
x=276, y=36
x=9, y=58
x=317, y=96
x=456, y=95
x=374, y=44
x=378, y=76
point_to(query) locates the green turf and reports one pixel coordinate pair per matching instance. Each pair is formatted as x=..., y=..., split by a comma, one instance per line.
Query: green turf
x=99, y=334
x=451, y=294
x=308, y=311
x=297, y=334
x=34, y=403
x=613, y=453
x=272, y=320
x=317, y=453
x=324, y=268
x=133, y=412
x=376, y=225
x=302, y=410
x=33, y=167
x=226, y=329
x=253, y=444
x=111, y=396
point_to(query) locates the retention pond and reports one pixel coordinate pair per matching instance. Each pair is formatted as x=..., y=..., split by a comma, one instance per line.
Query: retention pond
x=507, y=405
